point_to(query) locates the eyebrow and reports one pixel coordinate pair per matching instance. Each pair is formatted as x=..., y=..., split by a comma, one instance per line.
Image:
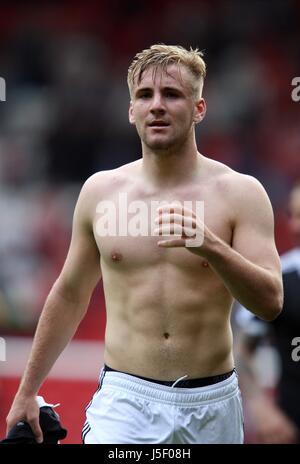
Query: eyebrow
x=143, y=89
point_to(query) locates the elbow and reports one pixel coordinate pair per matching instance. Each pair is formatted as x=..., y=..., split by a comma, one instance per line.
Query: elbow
x=274, y=306
x=70, y=293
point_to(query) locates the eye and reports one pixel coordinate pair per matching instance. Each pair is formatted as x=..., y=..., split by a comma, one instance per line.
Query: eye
x=144, y=96
x=171, y=94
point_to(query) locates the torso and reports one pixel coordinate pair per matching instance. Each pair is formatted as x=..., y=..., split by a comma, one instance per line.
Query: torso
x=168, y=313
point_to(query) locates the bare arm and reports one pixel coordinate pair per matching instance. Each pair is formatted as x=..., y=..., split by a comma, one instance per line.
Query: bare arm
x=65, y=307
x=250, y=267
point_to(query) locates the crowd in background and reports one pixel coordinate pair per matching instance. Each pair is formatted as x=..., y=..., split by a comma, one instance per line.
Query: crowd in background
x=66, y=114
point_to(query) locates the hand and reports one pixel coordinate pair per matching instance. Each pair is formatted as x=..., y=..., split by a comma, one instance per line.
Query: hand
x=25, y=409
x=189, y=229
x=272, y=426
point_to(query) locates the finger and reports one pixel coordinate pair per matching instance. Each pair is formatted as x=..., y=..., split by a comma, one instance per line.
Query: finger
x=170, y=208
x=165, y=218
x=10, y=426
x=183, y=231
x=186, y=221
x=176, y=208
x=171, y=243
x=11, y=421
x=36, y=429
x=178, y=231
x=169, y=229
x=188, y=212
x=288, y=437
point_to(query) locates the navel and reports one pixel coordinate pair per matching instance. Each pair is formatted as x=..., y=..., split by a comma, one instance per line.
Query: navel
x=166, y=335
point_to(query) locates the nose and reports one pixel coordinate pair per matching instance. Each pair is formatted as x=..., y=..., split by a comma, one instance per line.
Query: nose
x=157, y=104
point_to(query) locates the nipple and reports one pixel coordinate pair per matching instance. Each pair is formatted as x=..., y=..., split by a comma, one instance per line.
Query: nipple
x=116, y=256
x=204, y=263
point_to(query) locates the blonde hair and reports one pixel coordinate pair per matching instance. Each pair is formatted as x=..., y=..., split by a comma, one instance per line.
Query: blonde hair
x=161, y=56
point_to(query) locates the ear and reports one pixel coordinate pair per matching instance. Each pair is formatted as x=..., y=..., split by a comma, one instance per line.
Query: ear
x=130, y=114
x=200, y=110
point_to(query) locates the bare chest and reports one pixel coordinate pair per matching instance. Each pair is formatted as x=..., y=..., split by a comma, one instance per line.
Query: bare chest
x=123, y=225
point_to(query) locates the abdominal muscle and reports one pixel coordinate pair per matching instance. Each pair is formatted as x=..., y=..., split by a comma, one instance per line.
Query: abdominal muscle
x=163, y=331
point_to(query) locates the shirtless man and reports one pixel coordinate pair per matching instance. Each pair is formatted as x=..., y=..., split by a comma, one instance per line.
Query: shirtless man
x=168, y=374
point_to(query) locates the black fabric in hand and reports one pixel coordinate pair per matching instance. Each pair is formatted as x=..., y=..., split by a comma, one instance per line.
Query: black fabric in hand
x=21, y=433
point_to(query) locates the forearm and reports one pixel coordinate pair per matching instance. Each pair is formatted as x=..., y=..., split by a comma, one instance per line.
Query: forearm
x=58, y=323
x=256, y=288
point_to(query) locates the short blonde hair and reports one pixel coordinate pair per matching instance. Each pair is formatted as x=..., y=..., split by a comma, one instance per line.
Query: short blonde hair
x=161, y=56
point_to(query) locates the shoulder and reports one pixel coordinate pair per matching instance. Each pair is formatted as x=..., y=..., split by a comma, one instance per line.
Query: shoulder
x=246, y=200
x=251, y=205
x=250, y=197
x=224, y=175
x=238, y=187
x=243, y=187
x=102, y=180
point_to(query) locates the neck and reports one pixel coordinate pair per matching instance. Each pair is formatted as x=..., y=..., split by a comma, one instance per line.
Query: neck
x=171, y=166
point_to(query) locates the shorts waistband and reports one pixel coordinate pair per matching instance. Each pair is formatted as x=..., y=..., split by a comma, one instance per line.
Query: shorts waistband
x=118, y=381
x=182, y=382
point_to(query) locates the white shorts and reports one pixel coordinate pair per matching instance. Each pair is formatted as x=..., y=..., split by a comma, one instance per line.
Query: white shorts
x=129, y=410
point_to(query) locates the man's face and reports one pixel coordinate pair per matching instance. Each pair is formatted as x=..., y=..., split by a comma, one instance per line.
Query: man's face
x=163, y=107
x=294, y=212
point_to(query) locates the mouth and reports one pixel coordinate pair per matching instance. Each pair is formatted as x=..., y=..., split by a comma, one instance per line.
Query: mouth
x=158, y=124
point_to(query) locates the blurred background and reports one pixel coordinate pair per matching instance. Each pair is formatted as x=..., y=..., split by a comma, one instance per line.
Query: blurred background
x=65, y=117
